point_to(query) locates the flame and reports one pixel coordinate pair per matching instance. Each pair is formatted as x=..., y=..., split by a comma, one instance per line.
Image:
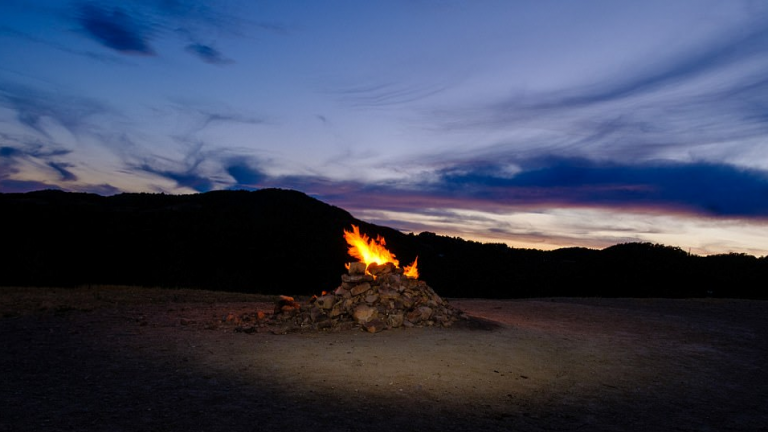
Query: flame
x=370, y=251
x=411, y=270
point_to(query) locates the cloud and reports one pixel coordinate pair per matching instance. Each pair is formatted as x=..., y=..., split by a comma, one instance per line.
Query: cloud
x=62, y=169
x=17, y=156
x=386, y=94
x=115, y=29
x=21, y=186
x=33, y=106
x=207, y=54
x=703, y=188
x=187, y=178
x=706, y=103
x=698, y=189
x=9, y=32
x=246, y=176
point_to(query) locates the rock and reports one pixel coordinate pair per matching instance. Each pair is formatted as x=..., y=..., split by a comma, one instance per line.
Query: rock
x=361, y=288
x=337, y=310
x=326, y=301
x=371, y=298
x=374, y=326
x=413, y=316
x=426, y=312
x=315, y=313
x=381, y=269
x=342, y=292
x=286, y=304
x=364, y=313
x=388, y=294
x=356, y=278
x=395, y=320
x=407, y=300
x=324, y=323
x=357, y=268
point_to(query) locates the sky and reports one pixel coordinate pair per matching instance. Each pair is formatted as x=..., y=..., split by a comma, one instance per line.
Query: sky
x=539, y=124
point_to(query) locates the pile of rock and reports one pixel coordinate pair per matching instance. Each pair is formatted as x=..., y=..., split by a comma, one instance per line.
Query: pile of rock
x=380, y=298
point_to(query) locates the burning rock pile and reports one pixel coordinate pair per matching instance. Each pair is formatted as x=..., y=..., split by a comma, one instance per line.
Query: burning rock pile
x=372, y=296
x=375, y=298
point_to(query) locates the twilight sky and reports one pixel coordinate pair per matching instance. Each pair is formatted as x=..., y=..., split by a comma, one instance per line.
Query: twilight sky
x=540, y=124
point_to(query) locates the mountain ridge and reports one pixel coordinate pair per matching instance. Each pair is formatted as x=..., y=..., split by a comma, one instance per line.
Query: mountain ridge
x=284, y=241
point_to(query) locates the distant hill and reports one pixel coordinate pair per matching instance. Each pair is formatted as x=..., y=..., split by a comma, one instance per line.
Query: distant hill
x=282, y=241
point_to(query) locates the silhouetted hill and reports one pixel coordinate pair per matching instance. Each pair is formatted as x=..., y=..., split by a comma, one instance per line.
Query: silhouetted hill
x=282, y=241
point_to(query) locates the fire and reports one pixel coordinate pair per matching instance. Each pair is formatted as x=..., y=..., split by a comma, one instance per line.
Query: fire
x=369, y=250
x=411, y=270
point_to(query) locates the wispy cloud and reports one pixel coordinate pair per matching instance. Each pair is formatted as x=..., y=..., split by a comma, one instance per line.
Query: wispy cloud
x=135, y=27
x=62, y=168
x=6, y=31
x=208, y=54
x=386, y=94
x=116, y=28
x=706, y=103
x=33, y=106
x=25, y=154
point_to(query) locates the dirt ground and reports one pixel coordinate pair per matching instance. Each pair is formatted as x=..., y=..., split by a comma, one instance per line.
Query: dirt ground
x=139, y=359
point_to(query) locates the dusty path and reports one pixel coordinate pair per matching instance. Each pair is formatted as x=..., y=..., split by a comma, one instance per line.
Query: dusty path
x=129, y=359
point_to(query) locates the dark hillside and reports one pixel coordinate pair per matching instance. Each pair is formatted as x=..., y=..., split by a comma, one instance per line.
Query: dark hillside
x=281, y=241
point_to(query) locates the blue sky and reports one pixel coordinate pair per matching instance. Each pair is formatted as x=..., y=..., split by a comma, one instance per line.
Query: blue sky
x=539, y=124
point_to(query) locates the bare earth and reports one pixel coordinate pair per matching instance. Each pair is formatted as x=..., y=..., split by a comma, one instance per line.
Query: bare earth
x=138, y=359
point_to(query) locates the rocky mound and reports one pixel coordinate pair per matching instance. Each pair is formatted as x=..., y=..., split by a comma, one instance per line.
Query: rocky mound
x=375, y=298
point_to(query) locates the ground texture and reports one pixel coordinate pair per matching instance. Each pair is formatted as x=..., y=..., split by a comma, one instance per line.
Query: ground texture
x=138, y=359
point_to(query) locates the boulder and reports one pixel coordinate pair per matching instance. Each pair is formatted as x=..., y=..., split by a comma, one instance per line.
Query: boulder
x=364, y=313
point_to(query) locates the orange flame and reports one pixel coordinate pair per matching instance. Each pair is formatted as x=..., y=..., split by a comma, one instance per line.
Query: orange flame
x=370, y=251
x=412, y=271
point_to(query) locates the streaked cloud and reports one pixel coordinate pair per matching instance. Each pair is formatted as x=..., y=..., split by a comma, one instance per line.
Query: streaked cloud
x=207, y=54
x=115, y=28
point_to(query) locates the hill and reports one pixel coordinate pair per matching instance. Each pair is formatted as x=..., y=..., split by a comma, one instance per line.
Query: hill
x=283, y=241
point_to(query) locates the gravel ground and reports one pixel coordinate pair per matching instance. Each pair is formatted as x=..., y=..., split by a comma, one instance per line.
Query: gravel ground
x=142, y=359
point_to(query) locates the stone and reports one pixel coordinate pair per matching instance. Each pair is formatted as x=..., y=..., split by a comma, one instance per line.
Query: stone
x=357, y=268
x=395, y=320
x=324, y=324
x=315, y=313
x=337, y=310
x=364, y=313
x=359, y=289
x=286, y=304
x=413, y=316
x=407, y=300
x=371, y=298
x=356, y=278
x=342, y=292
x=326, y=301
x=426, y=312
x=374, y=326
x=377, y=269
x=388, y=294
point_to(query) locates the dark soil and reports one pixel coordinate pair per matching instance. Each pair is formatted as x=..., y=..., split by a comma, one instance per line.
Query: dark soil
x=137, y=359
